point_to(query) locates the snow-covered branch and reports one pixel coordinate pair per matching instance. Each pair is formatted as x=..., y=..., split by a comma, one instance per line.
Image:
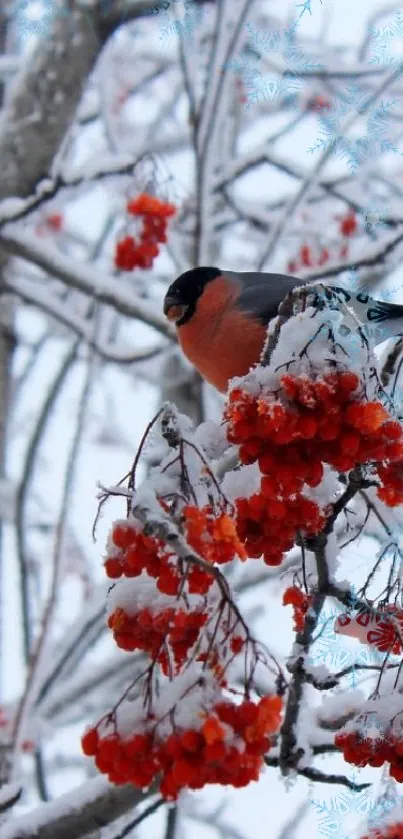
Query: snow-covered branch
x=81, y=277
x=76, y=814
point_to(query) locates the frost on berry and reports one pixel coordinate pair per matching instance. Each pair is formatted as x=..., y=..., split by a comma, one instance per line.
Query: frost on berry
x=193, y=737
x=374, y=737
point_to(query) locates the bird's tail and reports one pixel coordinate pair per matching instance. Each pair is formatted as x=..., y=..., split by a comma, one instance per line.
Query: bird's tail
x=381, y=320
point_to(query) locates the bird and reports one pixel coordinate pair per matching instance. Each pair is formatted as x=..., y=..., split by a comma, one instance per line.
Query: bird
x=221, y=317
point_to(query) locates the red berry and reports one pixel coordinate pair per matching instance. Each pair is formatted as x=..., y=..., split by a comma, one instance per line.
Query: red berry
x=89, y=742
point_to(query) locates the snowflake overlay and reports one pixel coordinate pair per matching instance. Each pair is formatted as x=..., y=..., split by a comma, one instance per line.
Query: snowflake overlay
x=260, y=86
x=306, y=7
x=35, y=17
x=355, y=150
x=179, y=28
x=387, y=43
x=341, y=814
x=373, y=216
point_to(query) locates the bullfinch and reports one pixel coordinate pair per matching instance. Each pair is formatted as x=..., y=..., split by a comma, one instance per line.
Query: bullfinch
x=221, y=317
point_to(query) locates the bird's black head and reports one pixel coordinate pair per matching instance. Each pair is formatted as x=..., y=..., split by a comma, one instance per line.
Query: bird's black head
x=183, y=294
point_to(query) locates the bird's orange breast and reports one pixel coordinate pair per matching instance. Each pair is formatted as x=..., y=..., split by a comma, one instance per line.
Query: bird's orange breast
x=219, y=339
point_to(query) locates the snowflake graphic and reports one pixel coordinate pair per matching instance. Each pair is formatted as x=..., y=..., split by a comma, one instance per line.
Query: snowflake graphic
x=387, y=43
x=341, y=814
x=355, y=150
x=306, y=7
x=35, y=17
x=183, y=28
x=373, y=216
x=261, y=86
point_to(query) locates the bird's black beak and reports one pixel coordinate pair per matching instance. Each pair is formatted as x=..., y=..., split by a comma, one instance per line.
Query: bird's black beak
x=173, y=308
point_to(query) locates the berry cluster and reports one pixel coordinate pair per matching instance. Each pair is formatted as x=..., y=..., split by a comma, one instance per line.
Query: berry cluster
x=213, y=536
x=150, y=631
x=318, y=103
x=51, y=223
x=54, y=221
x=292, y=433
x=308, y=256
x=300, y=603
x=391, y=475
x=365, y=751
x=388, y=831
x=268, y=527
x=131, y=552
x=312, y=256
x=228, y=748
x=325, y=419
x=185, y=738
x=348, y=224
x=131, y=253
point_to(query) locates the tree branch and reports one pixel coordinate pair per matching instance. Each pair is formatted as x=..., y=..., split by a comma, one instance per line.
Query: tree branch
x=82, y=277
x=76, y=814
x=62, y=313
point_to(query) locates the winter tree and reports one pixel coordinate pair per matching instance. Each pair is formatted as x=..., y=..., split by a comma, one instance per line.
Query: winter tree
x=153, y=533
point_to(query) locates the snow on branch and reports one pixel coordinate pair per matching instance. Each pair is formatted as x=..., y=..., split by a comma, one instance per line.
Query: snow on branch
x=81, y=277
x=313, y=428
x=26, y=291
x=74, y=815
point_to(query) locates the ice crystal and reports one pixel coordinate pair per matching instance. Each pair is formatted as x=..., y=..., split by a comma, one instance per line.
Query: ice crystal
x=387, y=43
x=341, y=814
x=373, y=216
x=355, y=150
x=305, y=7
x=35, y=17
x=170, y=27
x=259, y=85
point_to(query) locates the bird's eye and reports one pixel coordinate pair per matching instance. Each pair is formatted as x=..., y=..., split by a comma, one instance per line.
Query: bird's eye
x=175, y=312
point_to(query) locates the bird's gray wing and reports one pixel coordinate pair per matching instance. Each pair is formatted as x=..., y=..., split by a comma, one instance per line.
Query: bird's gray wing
x=261, y=294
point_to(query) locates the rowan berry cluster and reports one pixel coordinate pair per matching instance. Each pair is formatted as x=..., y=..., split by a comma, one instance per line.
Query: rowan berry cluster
x=312, y=256
x=51, y=223
x=225, y=746
x=213, y=535
x=391, y=831
x=318, y=103
x=391, y=491
x=149, y=631
x=320, y=421
x=365, y=751
x=140, y=253
x=300, y=603
x=269, y=526
x=54, y=221
x=130, y=553
x=177, y=612
x=291, y=433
